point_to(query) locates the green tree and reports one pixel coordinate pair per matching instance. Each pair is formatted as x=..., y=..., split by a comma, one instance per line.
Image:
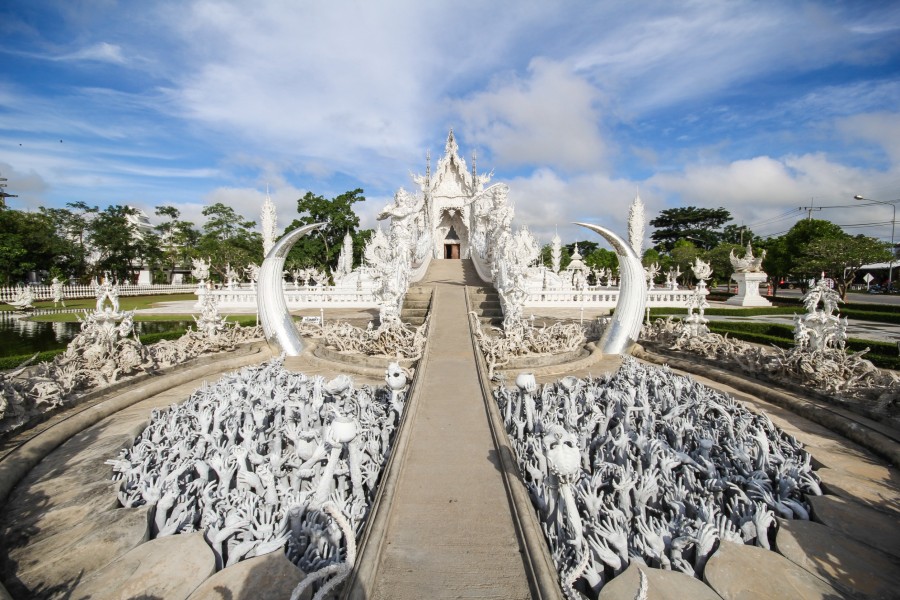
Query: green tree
x=30, y=241
x=783, y=254
x=702, y=224
x=12, y=247
x=116, y=243
x=228, y=239
x=78, y=217
x=719, y=258
x=565, y=257
x=683, y=255
x=840, y=258
x=321, y=248
x=178, y=240
x=601, y=258
x=740, y=235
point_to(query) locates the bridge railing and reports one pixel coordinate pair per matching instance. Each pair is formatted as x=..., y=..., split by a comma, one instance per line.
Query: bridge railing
x=603, y=297
x=299, y=297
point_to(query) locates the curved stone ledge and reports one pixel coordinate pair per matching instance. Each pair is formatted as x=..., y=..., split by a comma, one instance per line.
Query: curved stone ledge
x=737, y=571
x=846, y=564
x=357, y=360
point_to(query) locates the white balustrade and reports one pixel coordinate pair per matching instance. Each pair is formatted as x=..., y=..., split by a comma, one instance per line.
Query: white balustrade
x=602, y=297
x=44, y=292
x=302, y=297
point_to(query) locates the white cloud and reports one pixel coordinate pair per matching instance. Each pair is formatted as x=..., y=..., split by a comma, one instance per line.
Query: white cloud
x=100, y=52
x=549, y=118
x=882, y=129
x=547, y=202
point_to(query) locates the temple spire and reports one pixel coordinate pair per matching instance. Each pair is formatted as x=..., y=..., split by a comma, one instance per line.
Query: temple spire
x=269, y=222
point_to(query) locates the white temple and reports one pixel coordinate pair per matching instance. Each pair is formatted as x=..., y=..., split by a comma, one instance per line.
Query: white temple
x=452, y=215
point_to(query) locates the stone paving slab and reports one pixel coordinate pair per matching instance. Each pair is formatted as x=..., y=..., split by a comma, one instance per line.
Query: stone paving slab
x=739, y=572
x=872, y=527
x=169, y=568
x=661, y=585
x=844, y=563
x=269, y=577
x=873, y=494
x=50, y=567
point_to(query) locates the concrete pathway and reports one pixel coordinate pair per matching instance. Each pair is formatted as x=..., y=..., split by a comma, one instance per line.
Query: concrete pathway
x=450, y=533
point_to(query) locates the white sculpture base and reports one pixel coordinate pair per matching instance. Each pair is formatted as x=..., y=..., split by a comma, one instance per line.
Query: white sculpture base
x=748, y=290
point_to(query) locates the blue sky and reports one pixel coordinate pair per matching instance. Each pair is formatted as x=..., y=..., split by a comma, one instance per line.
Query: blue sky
x=758, y=107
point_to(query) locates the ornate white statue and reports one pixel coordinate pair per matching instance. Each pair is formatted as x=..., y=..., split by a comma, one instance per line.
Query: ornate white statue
x=252, y=272
x=232, y=277
x=748, y=275
x=650, y=273
x=636, y=225
x=269, y=221
x=56, y=290
x=24, y=298
x=555, y=252
x=107, y=291
x=345, y=258
x=748, y=263
x=583, y=445
x=672, y=276
x=200, y=269
x=702, y=271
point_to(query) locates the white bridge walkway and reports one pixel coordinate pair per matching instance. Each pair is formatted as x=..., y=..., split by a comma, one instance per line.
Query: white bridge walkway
x=450, y=533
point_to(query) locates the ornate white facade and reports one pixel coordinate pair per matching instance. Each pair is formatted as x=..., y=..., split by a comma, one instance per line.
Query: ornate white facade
x=452, y=215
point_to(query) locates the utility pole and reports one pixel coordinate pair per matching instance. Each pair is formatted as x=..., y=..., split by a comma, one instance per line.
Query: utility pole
x=809, y=209
x=3, y=194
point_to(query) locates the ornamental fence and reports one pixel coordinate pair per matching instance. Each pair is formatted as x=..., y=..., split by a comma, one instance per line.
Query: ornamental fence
x=45, y=292
x=298, y=297
x=604, y=297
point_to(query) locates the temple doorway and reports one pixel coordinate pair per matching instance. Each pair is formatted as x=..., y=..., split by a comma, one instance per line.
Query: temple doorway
x=451, y=251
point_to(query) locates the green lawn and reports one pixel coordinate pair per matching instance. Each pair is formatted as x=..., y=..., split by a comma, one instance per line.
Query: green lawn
x=125, y=302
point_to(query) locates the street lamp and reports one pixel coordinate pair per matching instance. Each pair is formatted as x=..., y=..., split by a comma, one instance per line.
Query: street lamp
x=893, y=221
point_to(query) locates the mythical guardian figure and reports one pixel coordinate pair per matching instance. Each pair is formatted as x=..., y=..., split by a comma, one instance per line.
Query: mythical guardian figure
x=749, y=263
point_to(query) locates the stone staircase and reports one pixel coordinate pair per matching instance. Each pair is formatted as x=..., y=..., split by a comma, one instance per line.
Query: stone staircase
x=416, y=305
x=485, y=301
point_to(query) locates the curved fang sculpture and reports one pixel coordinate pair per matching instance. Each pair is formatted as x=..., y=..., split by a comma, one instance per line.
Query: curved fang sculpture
x=274, y=317
x=625, y=327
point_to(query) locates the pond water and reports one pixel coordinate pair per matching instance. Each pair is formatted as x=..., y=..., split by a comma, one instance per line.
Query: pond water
x=20, y=336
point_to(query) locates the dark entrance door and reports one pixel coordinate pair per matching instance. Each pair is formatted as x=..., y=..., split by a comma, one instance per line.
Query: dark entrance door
x=451, y=251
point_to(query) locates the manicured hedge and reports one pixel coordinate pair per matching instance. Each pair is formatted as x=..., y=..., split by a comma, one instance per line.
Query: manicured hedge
x=882, y=354
x=11, y=362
